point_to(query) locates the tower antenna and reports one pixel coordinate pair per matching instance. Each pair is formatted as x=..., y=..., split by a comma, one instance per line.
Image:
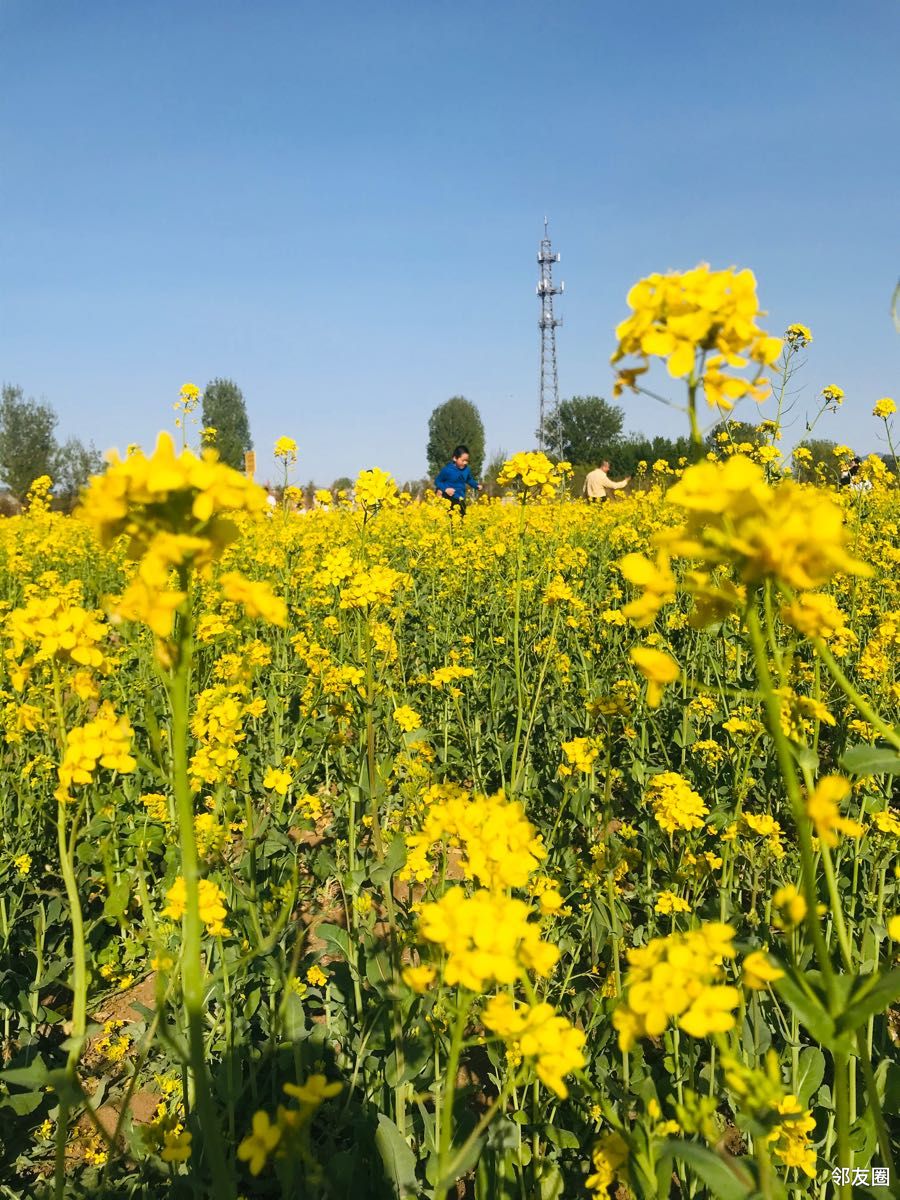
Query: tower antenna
x=546, y=290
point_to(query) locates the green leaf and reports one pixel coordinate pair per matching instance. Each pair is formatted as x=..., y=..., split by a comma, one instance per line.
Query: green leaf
x=394, y=859
x=810, y=1075
x=399, y=1160
x=294, y=1018
x=22, y=1103
x=871, y=995
x=552, y=1182
x=806, y=758
x=809, y=1009
x=378, y=970
x=338, y=938
x=727, y=1178
x=33, y=1076
x=563, y=1138
x=871, y=760
x=116, y=904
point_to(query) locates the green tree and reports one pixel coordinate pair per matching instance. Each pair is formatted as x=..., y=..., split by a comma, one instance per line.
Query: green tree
x=453, y=423
x=582, y=430
x=73, y=465
x=822, y=452
x=492, y=470
x=625, y=454
x=27, y=441
x=343, y=483
x=739, y=431
x=225, y=411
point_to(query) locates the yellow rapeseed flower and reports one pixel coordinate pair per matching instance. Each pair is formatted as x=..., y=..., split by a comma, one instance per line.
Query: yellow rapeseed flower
x=211, y=903
x=657, y=667
x=822, y=809
x=758, y=971
x=536, y=1031
x=487, y=936
x=258, y=1145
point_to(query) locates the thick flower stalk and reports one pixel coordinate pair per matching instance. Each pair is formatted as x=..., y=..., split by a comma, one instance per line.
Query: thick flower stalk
x=177, y=512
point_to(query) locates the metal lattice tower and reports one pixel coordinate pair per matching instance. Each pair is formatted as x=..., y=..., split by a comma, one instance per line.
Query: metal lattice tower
x=547, y=325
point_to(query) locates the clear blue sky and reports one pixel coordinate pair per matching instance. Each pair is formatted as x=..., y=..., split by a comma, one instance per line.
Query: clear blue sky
x=339, y=205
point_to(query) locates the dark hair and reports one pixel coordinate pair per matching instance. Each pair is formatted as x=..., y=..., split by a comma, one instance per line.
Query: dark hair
x=460, y=450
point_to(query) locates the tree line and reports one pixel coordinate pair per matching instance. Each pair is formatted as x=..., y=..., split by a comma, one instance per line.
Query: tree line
x=29, y=447
x=582, y=430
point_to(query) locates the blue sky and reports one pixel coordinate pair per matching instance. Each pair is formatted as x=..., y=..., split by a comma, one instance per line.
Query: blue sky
x=339, y=206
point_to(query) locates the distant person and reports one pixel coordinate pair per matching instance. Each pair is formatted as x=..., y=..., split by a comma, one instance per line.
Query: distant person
x=271, y=499
x=599, y=487
x=848, y=475
x=850, y=478
x=453, y=480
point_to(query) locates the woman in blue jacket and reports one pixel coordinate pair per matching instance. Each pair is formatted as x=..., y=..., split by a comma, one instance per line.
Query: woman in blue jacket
x=453, y=479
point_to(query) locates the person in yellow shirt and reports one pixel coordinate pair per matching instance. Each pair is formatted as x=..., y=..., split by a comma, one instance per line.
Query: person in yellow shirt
x=599, y=487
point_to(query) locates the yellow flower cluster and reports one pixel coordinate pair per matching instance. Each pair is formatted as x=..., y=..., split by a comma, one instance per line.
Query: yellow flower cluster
x=817, y=614
x=655, y=578
x=266, y=1134
x=217, y=726
x=683, y=317
x=533, y=471
x=558, y=591
x=678, y=978
x=286, y=449
x=256, y=596
x=790, y=905
x=172, y=507
x=407, y=718
x=758, y=971
x=105, y=741
x=536, y=1031
x=174, y=493
x=822, y=809
x=670, y=902
x=58, y=630
x=499, y=844
x=658, y=668
x=373, y=587
x=488, y=938
x=609, y=1159
x=674, y=802
x=375, y=489
x=767, y=827
x=791, y=533
x=884, y=408
x=277, y=780
x=580, y=754
x=792, y=1137
x=450, y=674
x=797, y=336
x=211, y=900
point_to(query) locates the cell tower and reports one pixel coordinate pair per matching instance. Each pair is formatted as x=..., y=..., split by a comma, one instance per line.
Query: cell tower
x=547, y=325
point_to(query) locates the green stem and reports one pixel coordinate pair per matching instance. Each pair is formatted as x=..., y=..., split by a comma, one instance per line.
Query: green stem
x=884, y=1140
x=841, y=1102
x=837, y=910
x=456, y=1043
x=551, y=645
x=861, y=704
x=517, y=658
x=192, y=984
x=801, y=820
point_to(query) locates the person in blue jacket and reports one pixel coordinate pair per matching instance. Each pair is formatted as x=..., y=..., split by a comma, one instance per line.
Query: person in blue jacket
x=453, y=480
